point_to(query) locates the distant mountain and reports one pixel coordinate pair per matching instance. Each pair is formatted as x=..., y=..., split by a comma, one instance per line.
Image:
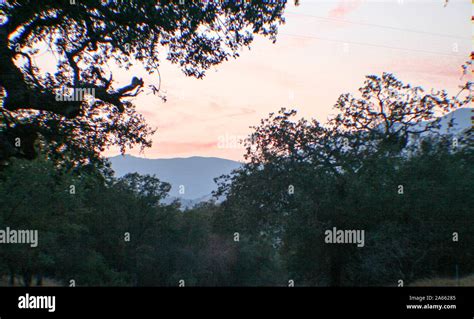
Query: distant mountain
x=193, y=175
x=457, y=121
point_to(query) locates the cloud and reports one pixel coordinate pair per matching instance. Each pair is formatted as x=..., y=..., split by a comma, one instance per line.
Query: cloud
x=344, y=7
x=168, y=149
x=214, y=106
x=434, y=67
x=242, y=111
x=183, y=147
x=225, y=110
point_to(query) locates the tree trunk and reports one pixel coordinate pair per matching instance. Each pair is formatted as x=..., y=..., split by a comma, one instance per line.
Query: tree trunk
x=335, y=270
x=11, y=280
x=27, y=279
x=39, y=280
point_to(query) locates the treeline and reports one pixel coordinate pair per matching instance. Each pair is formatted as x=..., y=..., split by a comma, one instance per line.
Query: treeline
x=377, y=167
x=380, y=166
x=416, y=213
x=96, y=230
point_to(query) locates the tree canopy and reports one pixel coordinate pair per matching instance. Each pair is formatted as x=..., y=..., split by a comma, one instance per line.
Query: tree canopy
x=84, y=36
x=301, y=179
x=371, y=168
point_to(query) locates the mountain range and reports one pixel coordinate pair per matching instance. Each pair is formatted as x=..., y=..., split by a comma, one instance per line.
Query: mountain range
x=192, y=178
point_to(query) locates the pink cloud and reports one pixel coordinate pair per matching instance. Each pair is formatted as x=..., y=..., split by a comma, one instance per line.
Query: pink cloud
x=170, y=149
x=242, y=111
x=435, y=67
x=344, y=7
x=183, y=147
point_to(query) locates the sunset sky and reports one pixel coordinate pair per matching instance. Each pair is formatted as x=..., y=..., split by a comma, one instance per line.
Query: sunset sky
x=324, y=49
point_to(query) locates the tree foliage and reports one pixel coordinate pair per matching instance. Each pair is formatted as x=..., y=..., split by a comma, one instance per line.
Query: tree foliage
x=85, y=36
x=303, y=178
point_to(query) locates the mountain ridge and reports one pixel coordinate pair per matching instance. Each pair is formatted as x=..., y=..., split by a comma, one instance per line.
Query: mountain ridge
x=192, y=178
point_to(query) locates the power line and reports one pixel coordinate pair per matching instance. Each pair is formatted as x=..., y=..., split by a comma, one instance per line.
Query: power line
x=372, y=45
x=380, y=26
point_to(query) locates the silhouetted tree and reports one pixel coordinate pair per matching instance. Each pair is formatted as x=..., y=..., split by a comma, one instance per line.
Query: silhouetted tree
x=85, y=35
x=303, y=178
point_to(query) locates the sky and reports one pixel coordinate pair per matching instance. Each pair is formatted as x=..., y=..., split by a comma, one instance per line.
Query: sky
x=324, y=49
